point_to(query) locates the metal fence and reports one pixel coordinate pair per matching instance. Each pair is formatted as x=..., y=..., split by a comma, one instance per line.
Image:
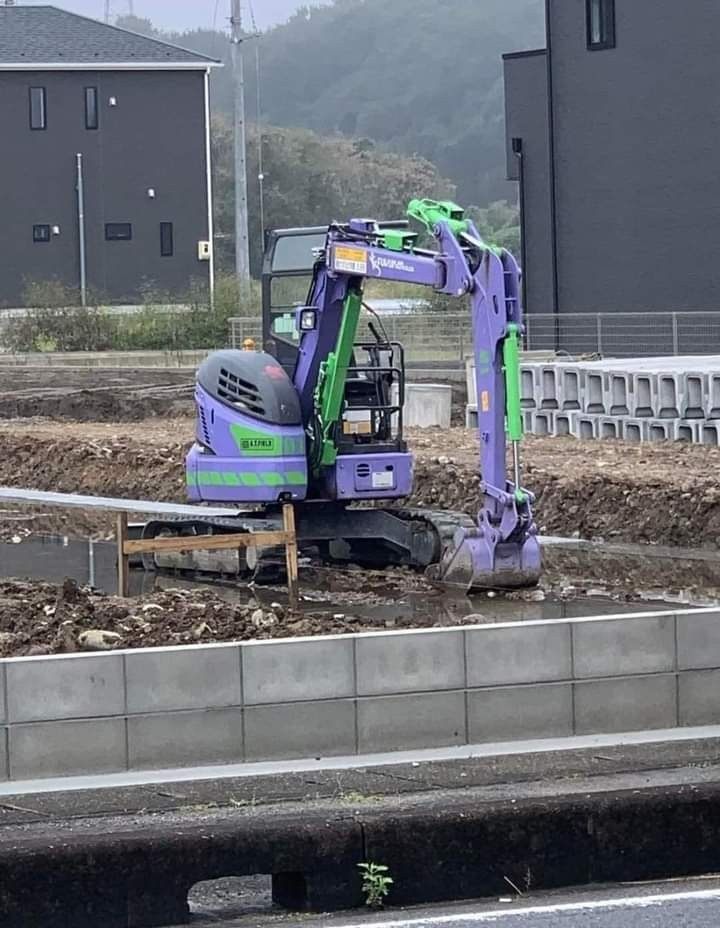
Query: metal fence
x=626, y=334
x=429, y=337
x=434, y=337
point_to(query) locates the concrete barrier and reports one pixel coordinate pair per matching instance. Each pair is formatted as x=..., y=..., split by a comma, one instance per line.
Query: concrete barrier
x=639, y=399
x=372, y=692
x=427, y=405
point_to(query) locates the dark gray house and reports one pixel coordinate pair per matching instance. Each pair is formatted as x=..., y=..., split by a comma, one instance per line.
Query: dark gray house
x=613, y=132
x=104, y=158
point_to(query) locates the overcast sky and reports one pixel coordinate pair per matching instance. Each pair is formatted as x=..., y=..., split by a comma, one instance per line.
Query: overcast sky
x=185, y=14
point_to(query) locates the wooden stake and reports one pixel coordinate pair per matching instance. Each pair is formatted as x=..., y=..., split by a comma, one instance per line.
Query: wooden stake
x=291, y=552
x=123, y=560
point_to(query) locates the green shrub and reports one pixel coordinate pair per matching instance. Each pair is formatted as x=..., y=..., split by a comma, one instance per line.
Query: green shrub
x=161, y=324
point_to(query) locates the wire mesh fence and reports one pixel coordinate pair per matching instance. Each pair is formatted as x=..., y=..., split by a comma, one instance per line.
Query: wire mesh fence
x=625, y=334
x=428, y=337
x=437, y=337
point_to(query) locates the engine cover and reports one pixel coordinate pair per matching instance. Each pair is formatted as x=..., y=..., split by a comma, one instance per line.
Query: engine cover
x=250, y=444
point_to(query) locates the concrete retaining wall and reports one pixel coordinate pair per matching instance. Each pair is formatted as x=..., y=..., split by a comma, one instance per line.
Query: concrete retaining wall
x=340, y=695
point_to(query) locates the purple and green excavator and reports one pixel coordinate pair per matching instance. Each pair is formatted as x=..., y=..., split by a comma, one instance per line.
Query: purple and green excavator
x=317, y=417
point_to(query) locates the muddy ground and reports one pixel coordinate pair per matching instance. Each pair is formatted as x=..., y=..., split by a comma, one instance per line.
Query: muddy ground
x=46, y=618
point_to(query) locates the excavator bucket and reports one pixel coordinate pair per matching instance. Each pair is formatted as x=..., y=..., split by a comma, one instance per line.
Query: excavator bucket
x=473, y=562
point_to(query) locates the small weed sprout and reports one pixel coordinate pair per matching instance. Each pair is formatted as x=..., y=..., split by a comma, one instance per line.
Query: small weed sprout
x=376, y=883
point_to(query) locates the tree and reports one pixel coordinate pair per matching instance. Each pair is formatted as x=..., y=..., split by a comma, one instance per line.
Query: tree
x=313, y=180
x=137, y=24
x=499, y=224
x=414, y=76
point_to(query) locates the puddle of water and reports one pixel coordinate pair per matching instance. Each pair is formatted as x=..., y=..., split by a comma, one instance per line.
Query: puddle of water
x=54, y=558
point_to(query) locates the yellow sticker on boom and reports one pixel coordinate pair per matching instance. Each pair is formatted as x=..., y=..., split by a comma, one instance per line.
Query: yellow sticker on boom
x=485, y=401
x=350, y=260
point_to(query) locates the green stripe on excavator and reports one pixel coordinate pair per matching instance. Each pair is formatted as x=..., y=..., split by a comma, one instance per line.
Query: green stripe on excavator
x=248, y=479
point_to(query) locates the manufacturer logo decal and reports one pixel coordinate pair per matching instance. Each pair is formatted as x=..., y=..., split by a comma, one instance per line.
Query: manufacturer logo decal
x=257, y=444
x=380, y=263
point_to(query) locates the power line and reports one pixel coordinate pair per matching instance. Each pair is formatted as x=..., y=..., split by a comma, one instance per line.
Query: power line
x=214, y=28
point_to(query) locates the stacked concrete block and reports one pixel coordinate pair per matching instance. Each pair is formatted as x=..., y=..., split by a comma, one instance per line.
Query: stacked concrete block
x=635, y=399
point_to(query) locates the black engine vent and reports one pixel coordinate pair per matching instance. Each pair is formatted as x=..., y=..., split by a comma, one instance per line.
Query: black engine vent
x=204, y=426
x=233, y=389
x=362, y=470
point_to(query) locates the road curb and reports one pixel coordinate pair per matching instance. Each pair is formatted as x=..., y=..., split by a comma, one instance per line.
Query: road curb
x=136, y=871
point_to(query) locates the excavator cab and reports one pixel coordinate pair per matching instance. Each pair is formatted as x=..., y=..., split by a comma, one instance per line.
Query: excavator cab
x=286, y=280
x=375, y=383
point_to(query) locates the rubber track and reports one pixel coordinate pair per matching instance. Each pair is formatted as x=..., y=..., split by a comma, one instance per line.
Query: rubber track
x=443, y=522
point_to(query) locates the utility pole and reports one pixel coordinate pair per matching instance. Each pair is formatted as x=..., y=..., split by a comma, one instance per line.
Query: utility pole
x=242, y=245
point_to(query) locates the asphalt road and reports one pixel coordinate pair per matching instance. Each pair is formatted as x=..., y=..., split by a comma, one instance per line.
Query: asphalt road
x=683, y=905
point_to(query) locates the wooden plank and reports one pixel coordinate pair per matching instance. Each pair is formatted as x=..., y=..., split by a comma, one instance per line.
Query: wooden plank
x=291, y=553
x=207, y=542
x=123, y=562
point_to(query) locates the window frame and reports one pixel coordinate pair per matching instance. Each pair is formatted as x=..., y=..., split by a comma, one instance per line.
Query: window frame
x=607, y=25
x=43, y=108
x=118, y=238
x=96, y=98
x=167, y=240
x=46, y=236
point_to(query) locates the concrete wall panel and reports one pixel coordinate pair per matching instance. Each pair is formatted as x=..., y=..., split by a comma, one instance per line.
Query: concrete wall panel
x=699, y=697
x=409, y=663
x=397, y=723
x=81, y=686
x=698, y=641
x=525, y=654
x=310, y=729
x=508, y=713
x=625, y=646
x=625, y=704
x=183, y=739
x=183, y=679
x=61, y=749
x=285, y=671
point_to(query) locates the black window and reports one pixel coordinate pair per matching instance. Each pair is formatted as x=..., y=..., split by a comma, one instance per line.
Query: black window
x=600, y=24
x=167, y=246
x=118, y=231
x=91, y=108
x=41, y=233
x=38, y=109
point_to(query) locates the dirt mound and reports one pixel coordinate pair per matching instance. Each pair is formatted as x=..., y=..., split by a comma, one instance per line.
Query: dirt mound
x=40, y=618
x=113, y=464
x=97, y=406
x=94, y=395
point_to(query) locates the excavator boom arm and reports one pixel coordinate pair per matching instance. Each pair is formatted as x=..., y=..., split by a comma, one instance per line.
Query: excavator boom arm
x=503, y=549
